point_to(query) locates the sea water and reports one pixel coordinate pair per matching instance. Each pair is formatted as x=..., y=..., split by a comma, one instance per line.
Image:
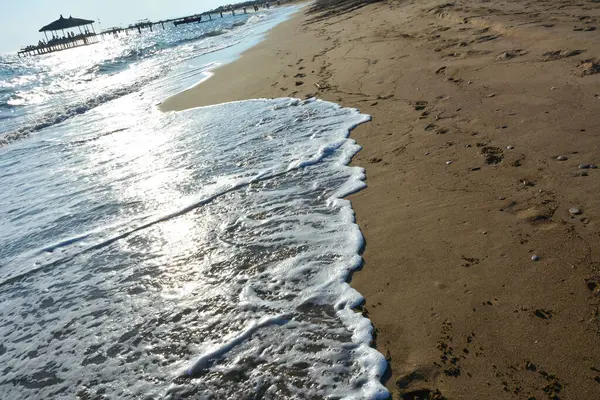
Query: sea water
x=200, y=254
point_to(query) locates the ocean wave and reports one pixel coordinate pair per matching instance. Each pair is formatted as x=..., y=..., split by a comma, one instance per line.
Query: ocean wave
x=256, y=18
x=227, y=278
x=136, y=54
x=58, y=115
x=123, y=61
x=96, y=137
x=106, y=236
x=213, y=33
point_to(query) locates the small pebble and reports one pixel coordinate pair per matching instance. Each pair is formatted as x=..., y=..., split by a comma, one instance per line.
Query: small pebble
x=501, y=198
x=509, y=147
x=484, y=233
x=535, y=258
x=574, y=211
x=562, y=158
x=448, y=162
x=592, y=166
x=584, y=166
x=427, y=153
x=553, y=88
x=491, y=95
x=467, y=146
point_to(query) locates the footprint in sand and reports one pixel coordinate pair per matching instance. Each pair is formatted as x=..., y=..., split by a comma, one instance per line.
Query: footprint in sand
x=560, y=54
x=589, y=67
x=586, y=29
x=411, y=385
x=485, y=38
x=493, y=155
x=420, y=105
x=510, y=54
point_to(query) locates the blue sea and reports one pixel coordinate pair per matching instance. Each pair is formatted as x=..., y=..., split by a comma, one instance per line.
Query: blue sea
x=202, y=254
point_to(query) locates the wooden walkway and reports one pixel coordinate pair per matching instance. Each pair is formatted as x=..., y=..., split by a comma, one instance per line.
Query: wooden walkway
x=59, y=45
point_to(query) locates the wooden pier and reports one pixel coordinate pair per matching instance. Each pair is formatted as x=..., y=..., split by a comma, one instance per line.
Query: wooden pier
x=68, y=40
x=243, y=7
x=59, y=45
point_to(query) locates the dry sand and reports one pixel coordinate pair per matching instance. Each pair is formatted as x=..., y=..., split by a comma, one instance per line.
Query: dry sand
x=472, y=103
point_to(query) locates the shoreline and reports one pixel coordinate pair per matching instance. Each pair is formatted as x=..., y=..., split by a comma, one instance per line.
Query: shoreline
x=226, y=83
x=471, y=107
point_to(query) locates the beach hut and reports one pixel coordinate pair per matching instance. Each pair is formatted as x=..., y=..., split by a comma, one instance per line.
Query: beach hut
x=67, y=23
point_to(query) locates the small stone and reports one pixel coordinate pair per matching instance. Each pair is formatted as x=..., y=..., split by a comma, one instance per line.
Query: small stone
x=584, y=166
x=553, y=88
x=427, y=153
x=448, y=162
x=535, y=258
x=501, y=198
x=509, y=147
x=574, y=211
x=491, y=95
x=475, y=168
x=561, y=158
x=467, y=146
x=592, y=166
x=484, y=232
x=527, y=183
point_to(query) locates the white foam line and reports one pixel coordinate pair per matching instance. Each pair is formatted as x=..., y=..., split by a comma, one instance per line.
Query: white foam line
x=205, y=360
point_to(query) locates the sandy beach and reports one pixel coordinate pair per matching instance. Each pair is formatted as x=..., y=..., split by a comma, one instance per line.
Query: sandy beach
x=482, y=265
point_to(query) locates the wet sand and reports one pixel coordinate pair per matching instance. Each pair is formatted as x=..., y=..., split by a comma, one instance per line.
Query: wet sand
x=473, y=102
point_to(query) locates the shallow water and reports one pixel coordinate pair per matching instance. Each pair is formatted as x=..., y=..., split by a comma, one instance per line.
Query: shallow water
x=203, y=253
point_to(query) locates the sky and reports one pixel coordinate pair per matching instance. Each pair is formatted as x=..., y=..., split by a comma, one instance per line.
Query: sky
x=20, y=20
